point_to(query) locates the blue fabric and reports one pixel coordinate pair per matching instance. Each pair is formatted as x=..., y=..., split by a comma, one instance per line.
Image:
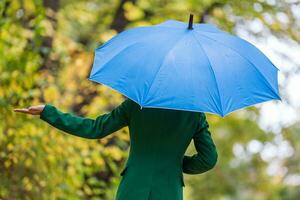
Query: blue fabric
x=169, y=66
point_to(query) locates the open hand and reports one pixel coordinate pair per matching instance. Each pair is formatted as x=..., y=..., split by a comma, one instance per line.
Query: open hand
x=33, y=110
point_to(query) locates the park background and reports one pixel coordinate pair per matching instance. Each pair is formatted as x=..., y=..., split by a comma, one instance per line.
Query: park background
x=46, y=53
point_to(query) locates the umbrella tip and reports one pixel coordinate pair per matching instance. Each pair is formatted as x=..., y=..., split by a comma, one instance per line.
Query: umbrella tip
x=190, y=27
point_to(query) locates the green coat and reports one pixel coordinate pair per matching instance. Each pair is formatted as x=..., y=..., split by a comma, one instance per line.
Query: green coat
x=158, y=141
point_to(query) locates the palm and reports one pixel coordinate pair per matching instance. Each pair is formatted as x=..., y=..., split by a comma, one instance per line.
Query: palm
x=33, y=110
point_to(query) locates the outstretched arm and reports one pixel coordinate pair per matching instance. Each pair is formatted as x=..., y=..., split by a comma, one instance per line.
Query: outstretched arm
x=206, y=157
x=97, y=128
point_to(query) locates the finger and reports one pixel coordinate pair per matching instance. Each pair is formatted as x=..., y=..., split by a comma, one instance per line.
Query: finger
x=22, y=110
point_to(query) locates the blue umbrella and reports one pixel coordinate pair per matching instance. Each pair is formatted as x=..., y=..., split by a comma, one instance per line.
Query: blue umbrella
x=193, y=67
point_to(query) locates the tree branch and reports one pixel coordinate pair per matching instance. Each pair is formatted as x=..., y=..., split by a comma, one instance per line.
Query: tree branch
x=120, y=21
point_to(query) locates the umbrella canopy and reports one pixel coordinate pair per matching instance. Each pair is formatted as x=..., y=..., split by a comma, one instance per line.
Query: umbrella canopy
x=196, y=67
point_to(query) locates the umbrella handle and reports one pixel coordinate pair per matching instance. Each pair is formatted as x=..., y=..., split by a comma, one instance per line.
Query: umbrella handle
x=190, y=27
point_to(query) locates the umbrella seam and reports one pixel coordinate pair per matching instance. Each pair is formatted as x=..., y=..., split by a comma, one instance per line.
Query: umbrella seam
x=265, y=80
x=230, y=35
x=159, y=68
x=213, y=72
x=98, y=50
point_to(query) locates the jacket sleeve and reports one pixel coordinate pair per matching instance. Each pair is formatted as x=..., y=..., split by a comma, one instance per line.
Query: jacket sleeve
x=88, y=128
x=206, y=156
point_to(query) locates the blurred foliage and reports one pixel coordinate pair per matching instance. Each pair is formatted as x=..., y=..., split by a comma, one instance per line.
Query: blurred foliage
x=46, y=52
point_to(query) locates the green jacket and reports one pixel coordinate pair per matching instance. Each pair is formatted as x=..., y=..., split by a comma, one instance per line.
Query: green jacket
x=158, y=140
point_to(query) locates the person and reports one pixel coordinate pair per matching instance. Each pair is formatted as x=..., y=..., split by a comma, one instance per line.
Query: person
x=158, y=141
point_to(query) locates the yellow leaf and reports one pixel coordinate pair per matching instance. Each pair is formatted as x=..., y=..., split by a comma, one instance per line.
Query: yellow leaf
x=87, y=161
x=51, y=94
x=10, y=147
x=7, y=163
x=28, y=162
x=133, y=12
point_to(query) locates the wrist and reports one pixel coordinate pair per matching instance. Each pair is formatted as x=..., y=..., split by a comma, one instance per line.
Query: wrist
x=46, y=110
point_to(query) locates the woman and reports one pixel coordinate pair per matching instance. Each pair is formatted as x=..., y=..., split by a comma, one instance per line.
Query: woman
x=158, y=141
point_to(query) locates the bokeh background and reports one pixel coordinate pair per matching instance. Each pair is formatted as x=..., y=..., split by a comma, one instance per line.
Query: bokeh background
x=46, y=53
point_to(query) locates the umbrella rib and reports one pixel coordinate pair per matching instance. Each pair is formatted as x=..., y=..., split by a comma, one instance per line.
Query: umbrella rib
x=265, y=80
x=214, y=75
x=167, y=54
